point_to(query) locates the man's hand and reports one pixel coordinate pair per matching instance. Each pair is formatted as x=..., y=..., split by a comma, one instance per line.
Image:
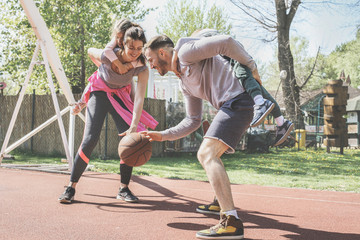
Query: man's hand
x=152, y=135
x=119, y=67
x=256, y=75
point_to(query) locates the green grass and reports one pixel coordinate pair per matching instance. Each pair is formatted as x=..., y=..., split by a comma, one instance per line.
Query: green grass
x=284, y=168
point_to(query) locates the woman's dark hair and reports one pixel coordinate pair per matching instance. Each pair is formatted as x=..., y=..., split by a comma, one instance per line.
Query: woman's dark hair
x=135, y=33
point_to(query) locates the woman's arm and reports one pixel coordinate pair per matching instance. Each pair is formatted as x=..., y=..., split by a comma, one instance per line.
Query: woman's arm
x=139, y=99
x=132, y=93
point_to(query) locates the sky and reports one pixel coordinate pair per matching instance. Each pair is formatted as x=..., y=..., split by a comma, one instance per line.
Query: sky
x=321, y=26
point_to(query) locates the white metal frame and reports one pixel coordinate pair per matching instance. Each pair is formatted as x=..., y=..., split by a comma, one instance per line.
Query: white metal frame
x=50, y=59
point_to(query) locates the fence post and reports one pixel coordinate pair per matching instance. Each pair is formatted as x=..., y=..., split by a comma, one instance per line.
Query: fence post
x=32, y=119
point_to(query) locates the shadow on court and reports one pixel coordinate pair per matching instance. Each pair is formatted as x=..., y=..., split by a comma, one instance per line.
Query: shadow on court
x=29, y=209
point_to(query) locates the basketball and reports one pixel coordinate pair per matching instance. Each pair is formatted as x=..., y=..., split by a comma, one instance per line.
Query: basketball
x=134, y=149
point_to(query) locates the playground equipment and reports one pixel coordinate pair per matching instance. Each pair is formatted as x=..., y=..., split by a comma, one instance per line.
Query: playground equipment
x=50, y=59
x=335, y=129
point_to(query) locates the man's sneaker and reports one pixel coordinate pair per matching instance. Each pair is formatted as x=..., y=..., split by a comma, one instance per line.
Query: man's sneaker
x=229, y=227
x=261, y=111
x=126, y=195
x=283, y=132
x=68, y=195
x=212, y=208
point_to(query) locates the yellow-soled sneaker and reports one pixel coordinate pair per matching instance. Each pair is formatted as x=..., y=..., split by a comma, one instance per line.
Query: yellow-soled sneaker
x=229, y=227
x=212, y=208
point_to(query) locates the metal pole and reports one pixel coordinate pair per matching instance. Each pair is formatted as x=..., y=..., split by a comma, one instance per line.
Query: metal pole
x=71, y=138
x=32, y=119
x=18, y=104
x=318, y=121
x=35, y=131
x=55, y=102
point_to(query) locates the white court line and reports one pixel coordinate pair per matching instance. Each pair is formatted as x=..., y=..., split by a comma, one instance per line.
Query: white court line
x=269, y=196
x=298, y=198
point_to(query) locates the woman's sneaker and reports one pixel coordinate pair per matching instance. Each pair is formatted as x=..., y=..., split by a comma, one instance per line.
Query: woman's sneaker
x=212, y=208
x=283, y=132
x=229, y=227
x=261, y=111
x=68, y=195
x=126, y=195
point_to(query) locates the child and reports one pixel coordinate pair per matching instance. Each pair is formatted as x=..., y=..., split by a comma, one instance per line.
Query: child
x=117, y=40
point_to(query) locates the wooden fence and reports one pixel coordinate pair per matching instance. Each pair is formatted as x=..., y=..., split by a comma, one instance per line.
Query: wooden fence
x=36, y=109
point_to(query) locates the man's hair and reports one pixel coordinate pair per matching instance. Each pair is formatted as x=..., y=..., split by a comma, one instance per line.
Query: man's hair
x=157, y=42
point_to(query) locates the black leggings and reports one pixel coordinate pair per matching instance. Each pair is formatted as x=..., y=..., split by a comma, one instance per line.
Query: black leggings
x=97, y=108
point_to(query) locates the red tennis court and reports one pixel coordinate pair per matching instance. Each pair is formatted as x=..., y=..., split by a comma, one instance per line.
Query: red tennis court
x=29, y=209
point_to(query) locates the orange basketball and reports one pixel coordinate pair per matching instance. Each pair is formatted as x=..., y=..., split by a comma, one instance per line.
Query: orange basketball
x=134, y=149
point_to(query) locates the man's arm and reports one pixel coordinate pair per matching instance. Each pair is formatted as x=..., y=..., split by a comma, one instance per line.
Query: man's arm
x=190, y=123
x=192, y=50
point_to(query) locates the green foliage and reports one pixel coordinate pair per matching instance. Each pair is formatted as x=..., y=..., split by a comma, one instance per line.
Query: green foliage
x=182, y=18
x=74, y=26
x=312, y=169
x=344, y=57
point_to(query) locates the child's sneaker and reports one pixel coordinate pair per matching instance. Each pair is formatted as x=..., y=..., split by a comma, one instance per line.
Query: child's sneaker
x=261, y=111
x=283, y=132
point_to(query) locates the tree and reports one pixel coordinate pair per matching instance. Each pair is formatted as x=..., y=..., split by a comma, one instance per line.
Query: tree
x=346, y=57
x=271, y=20
x=304, y=65
x=74, y=25
x=181, y=19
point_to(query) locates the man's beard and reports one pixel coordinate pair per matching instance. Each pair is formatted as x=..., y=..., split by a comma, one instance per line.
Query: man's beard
x=162, y=67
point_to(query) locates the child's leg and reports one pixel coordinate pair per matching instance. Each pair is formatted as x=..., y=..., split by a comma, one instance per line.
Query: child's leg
x=276, y=112
x=262, y=106
x=249, y=83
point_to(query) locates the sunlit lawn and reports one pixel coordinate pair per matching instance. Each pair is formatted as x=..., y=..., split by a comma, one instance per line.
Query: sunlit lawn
x=283, y=167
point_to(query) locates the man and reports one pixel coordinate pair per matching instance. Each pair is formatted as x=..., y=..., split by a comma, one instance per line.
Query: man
x=205, y=75
x=264, y=104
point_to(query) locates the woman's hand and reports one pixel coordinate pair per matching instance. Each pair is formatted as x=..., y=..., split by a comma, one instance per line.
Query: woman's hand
x=152, y=135
x=121, y=68
x=78, y=106
x=130, y=130
x=174, y=64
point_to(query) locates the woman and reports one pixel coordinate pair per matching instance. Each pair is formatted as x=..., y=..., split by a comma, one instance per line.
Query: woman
x=109, y=91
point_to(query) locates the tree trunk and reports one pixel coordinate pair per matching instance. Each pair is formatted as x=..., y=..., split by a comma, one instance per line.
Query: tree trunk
x=291, y=91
